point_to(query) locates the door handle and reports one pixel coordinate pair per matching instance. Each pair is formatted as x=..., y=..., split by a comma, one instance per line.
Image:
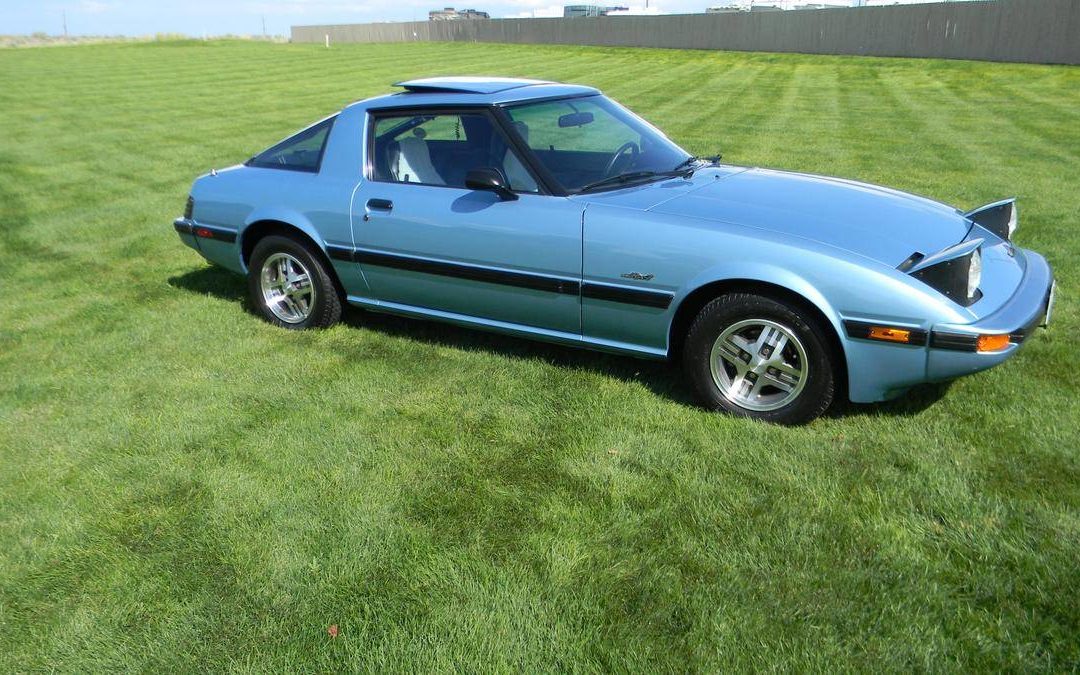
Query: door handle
x=380, y=204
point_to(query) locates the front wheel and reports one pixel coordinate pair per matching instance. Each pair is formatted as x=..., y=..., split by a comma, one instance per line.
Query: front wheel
x=757, y=357
x=290, y=285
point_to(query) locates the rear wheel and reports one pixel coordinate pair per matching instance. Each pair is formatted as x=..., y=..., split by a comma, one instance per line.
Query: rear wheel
x=290, y=285
x=757, y=357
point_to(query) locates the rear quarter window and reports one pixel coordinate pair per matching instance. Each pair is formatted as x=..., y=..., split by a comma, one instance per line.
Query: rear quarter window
x=301, y=152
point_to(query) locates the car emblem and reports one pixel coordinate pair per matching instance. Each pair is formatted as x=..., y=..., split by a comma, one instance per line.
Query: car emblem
x=637, y=276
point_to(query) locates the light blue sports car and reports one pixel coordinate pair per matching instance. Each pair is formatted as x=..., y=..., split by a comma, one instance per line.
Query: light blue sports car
x=549, y=211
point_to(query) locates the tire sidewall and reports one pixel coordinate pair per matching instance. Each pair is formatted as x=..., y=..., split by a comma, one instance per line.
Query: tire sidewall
x=718, y=315
x=324, y=287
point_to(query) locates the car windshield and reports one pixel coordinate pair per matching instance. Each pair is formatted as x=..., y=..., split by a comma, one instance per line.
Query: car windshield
x=585, y=141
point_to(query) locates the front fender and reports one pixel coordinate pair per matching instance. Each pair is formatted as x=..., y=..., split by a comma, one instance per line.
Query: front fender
x=846, y=290
x=763, y=273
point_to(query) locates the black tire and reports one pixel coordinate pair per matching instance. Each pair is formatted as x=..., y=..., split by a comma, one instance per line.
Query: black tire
x=325, y=311
x=798, y=403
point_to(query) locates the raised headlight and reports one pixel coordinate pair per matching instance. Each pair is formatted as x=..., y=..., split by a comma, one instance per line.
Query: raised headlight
x=955, y=272
x=1001, y=218
x=974, y=275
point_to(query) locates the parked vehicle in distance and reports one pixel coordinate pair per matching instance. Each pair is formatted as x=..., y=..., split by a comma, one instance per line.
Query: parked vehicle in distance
x=549, y=211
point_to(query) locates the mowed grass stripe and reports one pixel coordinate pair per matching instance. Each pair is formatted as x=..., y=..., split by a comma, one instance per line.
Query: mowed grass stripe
x=187, y=487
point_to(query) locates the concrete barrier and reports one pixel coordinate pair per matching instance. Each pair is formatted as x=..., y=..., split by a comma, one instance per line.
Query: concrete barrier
x=1028, y=31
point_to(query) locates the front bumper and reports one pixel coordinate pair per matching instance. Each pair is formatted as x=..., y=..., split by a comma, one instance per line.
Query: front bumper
x=880, y=370
x=953, y=348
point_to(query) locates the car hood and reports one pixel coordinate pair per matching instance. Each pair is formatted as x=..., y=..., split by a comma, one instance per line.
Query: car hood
x=879, y=223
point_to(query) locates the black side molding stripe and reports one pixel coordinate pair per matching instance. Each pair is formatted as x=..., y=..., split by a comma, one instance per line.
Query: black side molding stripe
x=189, y=226
x=957, y=342
x=535, y=282
x=218, y=233
x=1024, y=332
x=629, y=296
x=861, y=331
x=339, y=253
x=965, y=342
x=1017, y=337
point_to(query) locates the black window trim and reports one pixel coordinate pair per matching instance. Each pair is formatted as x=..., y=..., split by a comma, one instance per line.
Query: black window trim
x=328, y=121
x=500, y=122
x=528, y=158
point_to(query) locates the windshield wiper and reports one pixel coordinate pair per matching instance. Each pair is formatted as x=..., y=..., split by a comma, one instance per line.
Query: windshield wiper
x=689, y=162
x=618, y=179
x=684, y=168
x=634, y=176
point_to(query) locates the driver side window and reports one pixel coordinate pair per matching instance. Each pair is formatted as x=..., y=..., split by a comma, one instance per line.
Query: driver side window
x=439, y=148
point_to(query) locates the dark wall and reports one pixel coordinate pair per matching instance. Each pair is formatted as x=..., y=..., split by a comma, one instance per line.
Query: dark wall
x=1034, y=31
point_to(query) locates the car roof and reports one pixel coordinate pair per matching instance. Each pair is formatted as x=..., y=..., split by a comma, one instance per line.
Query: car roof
x=473, y=91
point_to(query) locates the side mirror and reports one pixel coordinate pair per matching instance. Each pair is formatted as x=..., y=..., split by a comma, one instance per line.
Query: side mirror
x=489, y=179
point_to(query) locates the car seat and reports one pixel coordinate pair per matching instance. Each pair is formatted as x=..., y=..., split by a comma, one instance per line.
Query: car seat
x=411, y=160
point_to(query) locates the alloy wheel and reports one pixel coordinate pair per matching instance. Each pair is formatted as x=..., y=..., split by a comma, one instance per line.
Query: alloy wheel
x=759, y=364
x=286, y=288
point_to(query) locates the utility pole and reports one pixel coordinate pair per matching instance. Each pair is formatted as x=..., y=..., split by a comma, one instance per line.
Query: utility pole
x=264, y=26
x=64, y=15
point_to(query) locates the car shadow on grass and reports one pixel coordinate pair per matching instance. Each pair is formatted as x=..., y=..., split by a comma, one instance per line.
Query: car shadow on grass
x=915, y=401
x=661, y=377
x=214, y=281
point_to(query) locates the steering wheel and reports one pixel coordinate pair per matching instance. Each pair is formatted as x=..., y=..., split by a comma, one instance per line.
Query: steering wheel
x=609, y=170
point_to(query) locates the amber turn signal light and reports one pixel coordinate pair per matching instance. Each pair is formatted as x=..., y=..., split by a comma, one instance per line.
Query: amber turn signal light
x=889, y=334
x=992, y=343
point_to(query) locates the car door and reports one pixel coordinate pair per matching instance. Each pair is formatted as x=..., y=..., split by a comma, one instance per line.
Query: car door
x=425, y=242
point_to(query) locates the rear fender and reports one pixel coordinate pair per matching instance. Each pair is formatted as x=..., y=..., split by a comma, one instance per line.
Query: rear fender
x=289, y=217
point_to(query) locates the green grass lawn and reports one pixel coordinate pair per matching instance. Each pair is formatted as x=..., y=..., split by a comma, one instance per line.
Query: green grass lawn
x=183, y=486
